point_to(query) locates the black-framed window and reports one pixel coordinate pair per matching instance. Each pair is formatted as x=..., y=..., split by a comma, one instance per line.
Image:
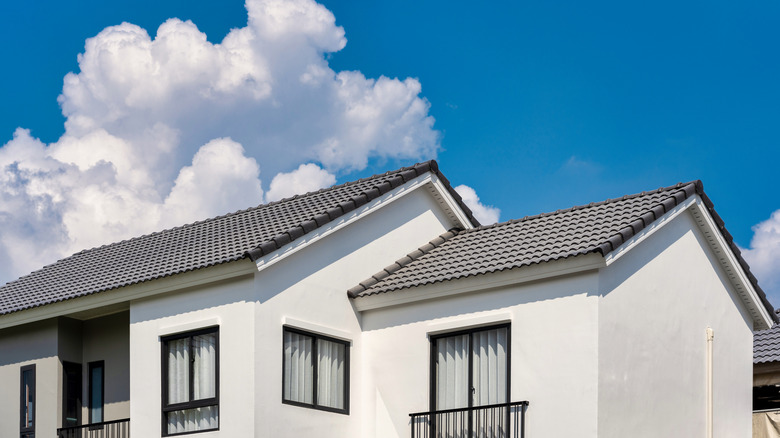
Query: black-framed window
x=71, y=394
x=315, y=371
x=190, y=382
x=96, y=388
x=470, y=367
x=27, y=402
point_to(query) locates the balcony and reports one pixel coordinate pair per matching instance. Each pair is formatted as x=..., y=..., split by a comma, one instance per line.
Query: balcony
x=502, y=420
x=106, y=429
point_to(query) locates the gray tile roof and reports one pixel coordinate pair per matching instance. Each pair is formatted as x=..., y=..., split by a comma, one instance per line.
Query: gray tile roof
x=766, y=345
x=250, y=233
x=597, y=227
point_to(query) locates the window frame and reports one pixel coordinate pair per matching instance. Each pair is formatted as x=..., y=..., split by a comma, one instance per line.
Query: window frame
x=91, y=366
x=191, y=404
x=315, y=363
x=25, y=431
x=470, y=331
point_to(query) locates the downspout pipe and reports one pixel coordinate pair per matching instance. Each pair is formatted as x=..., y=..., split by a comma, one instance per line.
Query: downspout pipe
x=710, y=338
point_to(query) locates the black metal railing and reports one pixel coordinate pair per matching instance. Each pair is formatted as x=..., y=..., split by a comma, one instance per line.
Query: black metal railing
x=106, y=429
x=501, y=420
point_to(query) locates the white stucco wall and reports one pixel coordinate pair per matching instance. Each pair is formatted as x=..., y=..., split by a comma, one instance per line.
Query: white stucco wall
x=108, y=339
x=553, y=352
x=308, y=290
x=34, y=343
x=227, y=304
x=658, y=300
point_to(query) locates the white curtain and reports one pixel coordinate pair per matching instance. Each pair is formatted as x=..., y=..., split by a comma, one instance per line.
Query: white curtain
x=330, y=374
x=204, y=368
x=452, y=368
x=178, y=370
x=489, y=377
x=489, y=362
x=204, y=379
x=298, y=368
x=193, y=419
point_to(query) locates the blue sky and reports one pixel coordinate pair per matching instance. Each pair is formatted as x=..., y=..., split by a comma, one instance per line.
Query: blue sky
x=538, y=105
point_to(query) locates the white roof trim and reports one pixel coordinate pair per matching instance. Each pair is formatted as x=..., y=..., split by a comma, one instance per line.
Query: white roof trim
x=728, y=261
x=649, y=230
x=126, y=294
x=428, y=180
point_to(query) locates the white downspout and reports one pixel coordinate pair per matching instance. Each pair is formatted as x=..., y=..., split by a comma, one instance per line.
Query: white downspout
x=710, y=337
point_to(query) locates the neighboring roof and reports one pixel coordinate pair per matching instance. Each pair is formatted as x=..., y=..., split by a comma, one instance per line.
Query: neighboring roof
x=766, y=345
x=251, y=233
x=597, y=227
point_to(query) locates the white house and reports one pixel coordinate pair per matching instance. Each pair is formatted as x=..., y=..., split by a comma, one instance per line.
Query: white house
x=340, y=313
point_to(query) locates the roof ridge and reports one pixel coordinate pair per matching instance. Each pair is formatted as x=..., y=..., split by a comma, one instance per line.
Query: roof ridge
x=679, y=185
x=345, y=184
x=403, y=261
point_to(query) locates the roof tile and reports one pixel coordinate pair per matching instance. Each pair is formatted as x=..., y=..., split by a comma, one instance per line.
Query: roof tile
x=248, y=233
x=597, y=227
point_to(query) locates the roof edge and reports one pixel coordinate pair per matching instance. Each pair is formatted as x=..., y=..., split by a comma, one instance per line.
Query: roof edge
x=685, y=191
x=400, y=263
x=402, y=176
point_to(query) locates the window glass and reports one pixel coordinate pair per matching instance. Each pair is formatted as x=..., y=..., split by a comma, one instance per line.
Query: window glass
x=298, y=367
x=190, y=381
x=330, y=373
x=471, y=369
x=96, y=392
x=28, y=378
x=315, y=371
x=27, y=401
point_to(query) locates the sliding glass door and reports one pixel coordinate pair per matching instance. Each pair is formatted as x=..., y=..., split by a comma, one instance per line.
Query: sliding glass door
x=470, y=369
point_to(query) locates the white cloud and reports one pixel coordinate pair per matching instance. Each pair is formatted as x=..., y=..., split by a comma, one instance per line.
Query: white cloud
x=306, y=178
x=219, y=179
x=171, y=129
x=763, y=256
x=485, y=214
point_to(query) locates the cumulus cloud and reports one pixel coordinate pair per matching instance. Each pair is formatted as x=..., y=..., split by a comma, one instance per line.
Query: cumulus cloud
x=763, y=256
x=306, y=178
x=485, y=214
x=169, y=129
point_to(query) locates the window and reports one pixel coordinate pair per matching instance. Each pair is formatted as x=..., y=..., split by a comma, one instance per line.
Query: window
x=316, y=371
x=27, y=405
x=96, y=381
x=470, y=368
x=190, y=382
x=71, y=394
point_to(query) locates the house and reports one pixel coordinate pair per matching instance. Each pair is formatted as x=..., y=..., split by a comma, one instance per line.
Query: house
x=766, y=383
x=381, y=308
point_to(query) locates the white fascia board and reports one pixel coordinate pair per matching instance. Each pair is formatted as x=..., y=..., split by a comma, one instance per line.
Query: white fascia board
x=482, y=282
x=649, y=230
x=428, y=180
x=443, y=196
x=739, y=279
x=718, y=245
x=126, y=294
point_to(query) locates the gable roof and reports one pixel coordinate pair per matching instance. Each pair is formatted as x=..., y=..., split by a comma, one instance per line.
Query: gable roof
x=766, y=345
x=594, y=228
x=250, y=233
